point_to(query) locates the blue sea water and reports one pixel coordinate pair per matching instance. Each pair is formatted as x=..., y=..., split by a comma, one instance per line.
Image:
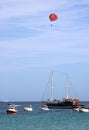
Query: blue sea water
x=42, y=120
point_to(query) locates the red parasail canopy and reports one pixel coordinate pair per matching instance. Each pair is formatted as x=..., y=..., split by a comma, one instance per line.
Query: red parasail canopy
x=53, y=17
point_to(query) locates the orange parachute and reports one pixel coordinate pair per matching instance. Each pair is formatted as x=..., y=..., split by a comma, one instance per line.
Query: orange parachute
x=53, y=17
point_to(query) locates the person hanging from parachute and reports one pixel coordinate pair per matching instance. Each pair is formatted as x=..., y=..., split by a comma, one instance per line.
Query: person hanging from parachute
x=53, y=17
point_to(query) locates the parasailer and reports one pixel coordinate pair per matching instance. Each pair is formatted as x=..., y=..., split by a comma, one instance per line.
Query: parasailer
x=53, y=17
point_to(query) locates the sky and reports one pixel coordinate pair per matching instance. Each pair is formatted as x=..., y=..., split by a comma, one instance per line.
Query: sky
x=30, y=48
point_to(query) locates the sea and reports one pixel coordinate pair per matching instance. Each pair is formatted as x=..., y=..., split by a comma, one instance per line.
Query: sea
x=60, y=119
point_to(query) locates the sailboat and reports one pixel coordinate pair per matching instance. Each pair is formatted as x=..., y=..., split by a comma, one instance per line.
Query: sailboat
x=66, y=103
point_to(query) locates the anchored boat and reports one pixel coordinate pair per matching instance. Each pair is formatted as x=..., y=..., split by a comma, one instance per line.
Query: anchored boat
x=12, y=110
x=66, y=103
x=28, y=108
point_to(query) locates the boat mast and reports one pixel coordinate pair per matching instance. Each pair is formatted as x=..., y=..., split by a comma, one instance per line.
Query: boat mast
x=52, y=86
x=67, y=86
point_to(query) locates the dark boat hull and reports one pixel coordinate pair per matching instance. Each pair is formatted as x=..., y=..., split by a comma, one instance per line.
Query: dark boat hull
x=11, y=112
x=62, y=105
x=59, y=107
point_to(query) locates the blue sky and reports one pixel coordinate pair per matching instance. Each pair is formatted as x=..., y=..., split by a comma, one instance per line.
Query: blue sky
x=30, y=48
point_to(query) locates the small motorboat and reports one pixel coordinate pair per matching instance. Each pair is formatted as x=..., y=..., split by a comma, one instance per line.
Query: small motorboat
x=12, y=110
x=44, y=108
x=28, y=108
x=83, y=110
x=76, y=109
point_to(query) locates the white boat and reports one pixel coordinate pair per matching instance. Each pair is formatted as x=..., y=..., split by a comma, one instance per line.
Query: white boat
x=83, y=110
x=28, y=108
x=44, y=108
x=76, y=109
x=12, y=110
